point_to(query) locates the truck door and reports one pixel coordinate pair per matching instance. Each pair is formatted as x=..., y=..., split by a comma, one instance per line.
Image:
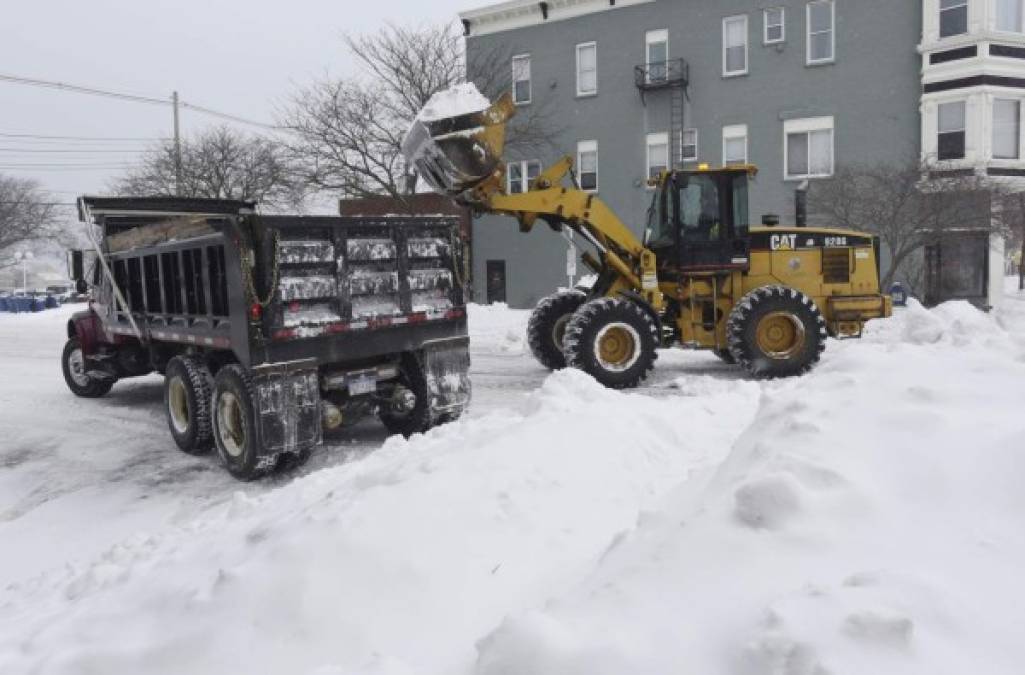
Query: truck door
x=707, y=209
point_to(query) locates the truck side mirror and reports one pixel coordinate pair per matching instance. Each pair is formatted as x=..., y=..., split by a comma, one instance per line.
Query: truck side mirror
x=76, y=265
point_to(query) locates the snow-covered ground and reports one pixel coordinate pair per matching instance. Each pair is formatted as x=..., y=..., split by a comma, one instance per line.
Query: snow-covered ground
x=866, y=518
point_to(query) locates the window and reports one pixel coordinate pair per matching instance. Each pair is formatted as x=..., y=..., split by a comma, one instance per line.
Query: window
x=951, y=128
x=953, y=17
x=657, y=55
x=775, y=29
x=734, y=144
x=689, y=145
x=521, y=79
x=587, y=69
x=734, y=46
x=587, y=162
x=1006, y=129
x=658, y=154
x=1009, y=16
x=521, y=174
x=821, y=36
x=808, y=148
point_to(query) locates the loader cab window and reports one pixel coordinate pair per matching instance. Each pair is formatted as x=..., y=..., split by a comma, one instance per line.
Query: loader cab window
x=700, y=214
x=660, y=228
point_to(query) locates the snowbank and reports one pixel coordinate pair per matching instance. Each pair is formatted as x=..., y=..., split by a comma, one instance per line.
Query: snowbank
x=498, y=329
x=868, y=521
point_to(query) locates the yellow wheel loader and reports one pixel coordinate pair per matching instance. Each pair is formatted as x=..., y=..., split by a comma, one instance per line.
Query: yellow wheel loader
x=764, y=298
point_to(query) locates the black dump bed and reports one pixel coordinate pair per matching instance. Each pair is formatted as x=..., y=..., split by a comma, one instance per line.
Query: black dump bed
x=278, y=288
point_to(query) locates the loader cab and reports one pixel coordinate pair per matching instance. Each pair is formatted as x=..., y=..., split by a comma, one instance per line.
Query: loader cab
x=698, y=220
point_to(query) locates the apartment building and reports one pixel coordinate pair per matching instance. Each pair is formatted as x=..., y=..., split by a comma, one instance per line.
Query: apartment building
x=797, y=87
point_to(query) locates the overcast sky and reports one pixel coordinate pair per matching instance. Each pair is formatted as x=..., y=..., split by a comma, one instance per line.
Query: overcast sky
x=238, y=56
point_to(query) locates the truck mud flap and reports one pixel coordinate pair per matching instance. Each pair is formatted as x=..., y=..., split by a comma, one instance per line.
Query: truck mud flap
x=447, y=369
x=288, y=406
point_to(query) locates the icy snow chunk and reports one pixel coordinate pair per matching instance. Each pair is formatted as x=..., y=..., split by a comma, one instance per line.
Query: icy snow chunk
x=293, y=252
x=369, y=306
x=428, y=247
x=370, y=249
x=430, y=301
x=462, y=99
x=372, y=282
x=430, y=279
x=307, y=288
x=311, y=315
x=767, y=502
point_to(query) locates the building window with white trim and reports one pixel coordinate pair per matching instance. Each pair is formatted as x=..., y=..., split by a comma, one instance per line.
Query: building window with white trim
x=734, y=144
x=1009, y=16
x=821, y=32
x=808, y=148
x=658, y=154
x=734, y=46
x=521, y=174
x=656, y=50
x=587, y=69
x=775, y=25
x=953, y=17
x=950, y=141
x=689, y=145
x=1006, y=128
x=521, y=79
x=587, y=164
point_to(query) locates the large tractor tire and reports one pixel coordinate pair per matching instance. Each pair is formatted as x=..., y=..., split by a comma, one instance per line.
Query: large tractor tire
x=409, y=411
x=79, y=381
x=613, y=340
x=776, y=331
x=234, y=424
x=187, y=403
x=725, y=356
x=546, y=329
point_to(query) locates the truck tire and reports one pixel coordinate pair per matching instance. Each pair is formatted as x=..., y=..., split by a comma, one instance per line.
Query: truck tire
x=613, y=340
x=75, y=376
x=775, y=331
x=404, y=415
x=547, y=327
x=234, y=424
x=187, y=404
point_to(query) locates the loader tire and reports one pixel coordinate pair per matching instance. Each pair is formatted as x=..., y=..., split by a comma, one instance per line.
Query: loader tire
x=613, y=340
x=187, y=387
x=546, y=329
x=725, y=356
x=73, y=365
x=775, y=331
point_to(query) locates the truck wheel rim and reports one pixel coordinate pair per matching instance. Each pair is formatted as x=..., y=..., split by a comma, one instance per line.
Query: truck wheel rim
x=231, y=429
x=780, y=335
x=559, y=330
x=178, y=405
x=76, y=368
x=617, y=346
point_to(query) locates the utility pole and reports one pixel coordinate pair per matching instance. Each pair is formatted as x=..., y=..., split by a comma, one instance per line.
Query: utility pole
x=177, y=147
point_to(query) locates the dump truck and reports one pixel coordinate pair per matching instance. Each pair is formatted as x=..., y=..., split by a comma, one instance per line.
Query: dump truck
x=270, y=329
x=701, y=277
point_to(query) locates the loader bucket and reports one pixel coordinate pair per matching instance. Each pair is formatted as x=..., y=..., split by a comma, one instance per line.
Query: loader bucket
x=455, y=154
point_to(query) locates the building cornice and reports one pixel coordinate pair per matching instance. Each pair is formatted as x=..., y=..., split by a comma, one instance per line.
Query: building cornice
x=514, y=14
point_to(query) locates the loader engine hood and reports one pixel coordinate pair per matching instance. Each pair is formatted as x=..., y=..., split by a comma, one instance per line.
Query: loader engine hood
x=456, y=141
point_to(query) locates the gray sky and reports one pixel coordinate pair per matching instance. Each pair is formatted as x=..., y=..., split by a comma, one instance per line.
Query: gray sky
x=238, y=56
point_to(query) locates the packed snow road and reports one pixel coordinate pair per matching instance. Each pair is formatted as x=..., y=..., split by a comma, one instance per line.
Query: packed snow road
x=868, y=517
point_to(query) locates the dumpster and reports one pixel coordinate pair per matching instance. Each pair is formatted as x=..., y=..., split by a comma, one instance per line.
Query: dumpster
x=36, y=304
x=3, y=304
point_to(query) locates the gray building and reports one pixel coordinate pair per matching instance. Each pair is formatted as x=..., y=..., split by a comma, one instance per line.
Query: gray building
x=793, y=86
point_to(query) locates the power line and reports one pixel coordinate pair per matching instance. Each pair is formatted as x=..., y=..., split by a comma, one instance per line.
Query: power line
x=104, y=139
x=93, y=91
x=73, y=150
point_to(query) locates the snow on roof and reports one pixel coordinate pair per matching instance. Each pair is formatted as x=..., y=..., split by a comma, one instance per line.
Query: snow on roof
x=512, y=14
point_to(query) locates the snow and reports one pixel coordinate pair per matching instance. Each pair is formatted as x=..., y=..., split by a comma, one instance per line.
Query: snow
x=461, y=99
x=866, y=518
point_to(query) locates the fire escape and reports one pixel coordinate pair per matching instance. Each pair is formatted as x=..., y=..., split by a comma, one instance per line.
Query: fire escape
x=672, y=76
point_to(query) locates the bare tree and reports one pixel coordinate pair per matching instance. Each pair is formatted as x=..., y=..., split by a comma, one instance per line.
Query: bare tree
x=348, y=132
x=896, y=202
x=220, y=163
x=27, y=214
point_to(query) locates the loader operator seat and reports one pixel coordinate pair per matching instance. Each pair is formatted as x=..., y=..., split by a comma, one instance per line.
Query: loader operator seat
x=700, y=215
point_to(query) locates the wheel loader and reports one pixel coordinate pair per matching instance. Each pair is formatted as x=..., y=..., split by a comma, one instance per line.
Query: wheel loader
x=765, y=298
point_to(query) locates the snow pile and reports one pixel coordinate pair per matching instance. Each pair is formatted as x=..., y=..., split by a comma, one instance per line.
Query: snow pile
x=462, y=99
x=393, y=564
x=870, y=520
x=498, y=329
